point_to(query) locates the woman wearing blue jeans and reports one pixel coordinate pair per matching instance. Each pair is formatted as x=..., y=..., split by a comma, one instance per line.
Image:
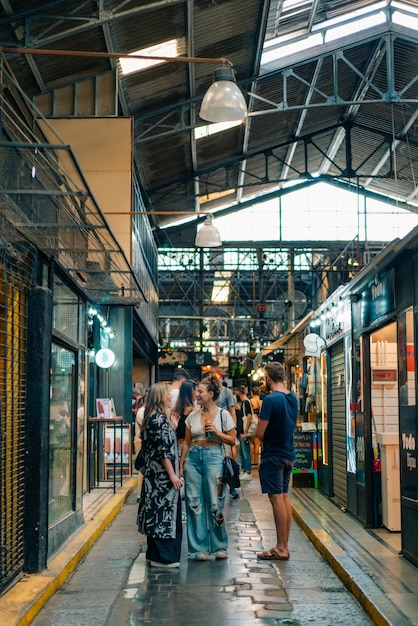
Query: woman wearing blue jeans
x=202, y=465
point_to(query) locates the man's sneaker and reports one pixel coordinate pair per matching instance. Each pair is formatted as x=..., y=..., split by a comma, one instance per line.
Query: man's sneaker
x=168, y=565
x=221, y=554
x=245, y=476
x=201, y=556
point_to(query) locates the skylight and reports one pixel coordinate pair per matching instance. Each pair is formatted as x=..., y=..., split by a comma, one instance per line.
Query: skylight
x=220, y=289
x=212, y=129
x=171, y=48
x=327, y=30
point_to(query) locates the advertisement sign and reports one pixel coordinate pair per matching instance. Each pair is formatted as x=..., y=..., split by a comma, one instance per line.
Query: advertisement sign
x=409, y=455
x=360, y=449
x=303, y=442
x=378, y=298
x=313, y=344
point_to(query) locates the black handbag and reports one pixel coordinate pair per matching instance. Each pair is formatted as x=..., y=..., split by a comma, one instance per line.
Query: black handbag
x=231, y=472
x=231, y=469
x=140, y=460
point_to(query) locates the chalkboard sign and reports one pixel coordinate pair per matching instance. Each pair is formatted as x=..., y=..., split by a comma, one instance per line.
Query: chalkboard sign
x=303, y=442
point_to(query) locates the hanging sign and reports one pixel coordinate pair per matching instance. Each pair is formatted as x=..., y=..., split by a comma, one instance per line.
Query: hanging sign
x=105, y=358
x=313, y=344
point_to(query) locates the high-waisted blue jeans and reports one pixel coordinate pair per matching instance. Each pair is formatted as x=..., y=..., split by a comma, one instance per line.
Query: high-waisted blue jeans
x=206, y=530
x=245, y=454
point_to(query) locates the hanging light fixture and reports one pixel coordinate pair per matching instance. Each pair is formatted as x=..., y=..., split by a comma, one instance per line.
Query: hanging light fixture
x=208, y=236
x=224, y=100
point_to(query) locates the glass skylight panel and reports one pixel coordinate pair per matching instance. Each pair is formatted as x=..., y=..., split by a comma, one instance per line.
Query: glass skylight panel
x=359, y=25
x=220, y=289
x=171, y=48
x=404, y=7
x=402, y=19
x=211, y=129
x=349, y=16
x=328, y=30
x=292, y=48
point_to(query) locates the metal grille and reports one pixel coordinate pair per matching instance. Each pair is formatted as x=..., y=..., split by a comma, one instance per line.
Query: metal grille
x=339, y=430
x=17, y=260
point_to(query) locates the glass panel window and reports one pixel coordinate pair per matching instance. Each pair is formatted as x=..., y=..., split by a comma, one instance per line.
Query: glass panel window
x=69, y=312
x=406, y=348
x=60, y=435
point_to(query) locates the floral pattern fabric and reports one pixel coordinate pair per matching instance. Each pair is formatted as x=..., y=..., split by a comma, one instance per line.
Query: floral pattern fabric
x=159, y=498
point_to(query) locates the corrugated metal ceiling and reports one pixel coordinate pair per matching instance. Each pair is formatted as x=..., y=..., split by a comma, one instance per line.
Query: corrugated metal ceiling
x=335, y=109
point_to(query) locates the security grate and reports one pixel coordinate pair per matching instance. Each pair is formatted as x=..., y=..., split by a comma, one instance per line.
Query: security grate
x=17, y=260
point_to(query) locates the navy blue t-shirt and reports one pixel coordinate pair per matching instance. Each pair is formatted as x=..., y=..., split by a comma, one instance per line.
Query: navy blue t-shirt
x=281, y=411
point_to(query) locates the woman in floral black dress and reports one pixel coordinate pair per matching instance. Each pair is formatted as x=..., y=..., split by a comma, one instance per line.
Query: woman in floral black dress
x=159, y=511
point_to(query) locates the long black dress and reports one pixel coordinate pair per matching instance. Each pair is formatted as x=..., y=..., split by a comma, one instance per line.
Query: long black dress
x=159, y=510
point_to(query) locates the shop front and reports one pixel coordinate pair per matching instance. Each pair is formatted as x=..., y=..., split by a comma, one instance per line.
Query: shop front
x=384, y=314
x=329, y=386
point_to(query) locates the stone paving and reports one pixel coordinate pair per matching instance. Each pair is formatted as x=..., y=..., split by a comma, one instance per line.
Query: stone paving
x=113, y=586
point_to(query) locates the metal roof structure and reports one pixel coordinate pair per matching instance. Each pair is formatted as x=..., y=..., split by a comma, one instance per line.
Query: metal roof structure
x=331, y=87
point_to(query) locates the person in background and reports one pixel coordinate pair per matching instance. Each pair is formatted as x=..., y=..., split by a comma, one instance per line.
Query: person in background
x=159, y=509
x=256, y=403
x=275, y=428
x=226, y=400
x=136, y=402
x=179, y=377
x=186, y=403
x=244, y=416
x=207, y=428
x=138, y=441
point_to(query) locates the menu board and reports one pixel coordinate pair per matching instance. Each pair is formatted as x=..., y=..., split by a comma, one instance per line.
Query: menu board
x=105, y=408
x=303, y=442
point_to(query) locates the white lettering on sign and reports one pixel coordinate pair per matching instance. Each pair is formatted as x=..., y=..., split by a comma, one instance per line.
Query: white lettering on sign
x=360, y=449
x=408, y=442
x=411, y=461
x=376, y=290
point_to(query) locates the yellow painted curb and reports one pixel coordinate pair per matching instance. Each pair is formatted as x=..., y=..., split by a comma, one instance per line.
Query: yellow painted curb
x=330, y=550
x=20, y=605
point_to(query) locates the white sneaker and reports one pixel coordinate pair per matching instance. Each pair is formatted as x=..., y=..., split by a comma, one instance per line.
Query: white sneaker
x=221, y=554
x=201, y=556
x=168, y=565
x=245, y=476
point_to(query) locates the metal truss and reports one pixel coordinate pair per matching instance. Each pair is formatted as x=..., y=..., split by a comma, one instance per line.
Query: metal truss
x=241, y=298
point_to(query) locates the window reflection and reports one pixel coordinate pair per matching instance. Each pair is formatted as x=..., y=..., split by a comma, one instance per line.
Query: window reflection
x=60, y=433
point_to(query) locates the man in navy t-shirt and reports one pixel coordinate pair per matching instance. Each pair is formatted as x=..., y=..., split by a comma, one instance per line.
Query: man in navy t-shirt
x=275, y=428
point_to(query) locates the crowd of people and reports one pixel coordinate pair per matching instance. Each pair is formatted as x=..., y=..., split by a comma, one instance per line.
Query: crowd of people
x=183, y=432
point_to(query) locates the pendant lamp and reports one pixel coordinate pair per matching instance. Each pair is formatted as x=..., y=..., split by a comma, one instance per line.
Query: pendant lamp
x=224, y=100
x=208, y=236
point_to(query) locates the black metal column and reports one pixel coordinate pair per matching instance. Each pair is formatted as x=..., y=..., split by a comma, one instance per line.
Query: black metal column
x=37, y=429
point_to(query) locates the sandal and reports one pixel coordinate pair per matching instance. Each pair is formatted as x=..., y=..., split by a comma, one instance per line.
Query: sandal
x=271, y=555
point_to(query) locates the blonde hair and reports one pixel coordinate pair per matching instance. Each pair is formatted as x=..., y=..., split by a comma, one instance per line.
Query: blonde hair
x=155, y=402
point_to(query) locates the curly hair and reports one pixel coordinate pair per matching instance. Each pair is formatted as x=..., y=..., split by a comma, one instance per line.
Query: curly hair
x=213, y=384
x=155, y=402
